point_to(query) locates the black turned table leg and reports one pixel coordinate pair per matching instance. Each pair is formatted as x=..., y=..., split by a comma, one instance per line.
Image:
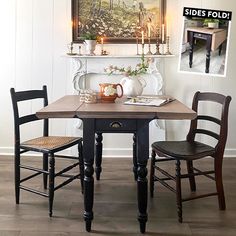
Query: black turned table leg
x=208, y=53
x=88, y=155
x=135, y=164
x=142, y=183
x=191, y=43
x=98, y=168
x=220, y=49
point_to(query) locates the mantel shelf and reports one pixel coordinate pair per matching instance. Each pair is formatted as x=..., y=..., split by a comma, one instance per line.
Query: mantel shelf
x=117, y=56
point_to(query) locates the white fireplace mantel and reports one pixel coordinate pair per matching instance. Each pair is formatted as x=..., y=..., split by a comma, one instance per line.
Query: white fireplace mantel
x=82, y=68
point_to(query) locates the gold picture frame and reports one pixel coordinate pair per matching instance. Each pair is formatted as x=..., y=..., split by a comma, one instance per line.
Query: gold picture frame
x=116, y=20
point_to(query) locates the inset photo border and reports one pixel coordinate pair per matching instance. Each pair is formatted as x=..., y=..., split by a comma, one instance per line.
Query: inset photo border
x=204, y=45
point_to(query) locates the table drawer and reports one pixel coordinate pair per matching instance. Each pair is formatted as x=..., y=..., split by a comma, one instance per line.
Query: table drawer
x=200, y=36
x=115, y=125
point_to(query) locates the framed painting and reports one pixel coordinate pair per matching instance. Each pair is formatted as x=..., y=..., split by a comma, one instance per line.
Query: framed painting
x=118, y=21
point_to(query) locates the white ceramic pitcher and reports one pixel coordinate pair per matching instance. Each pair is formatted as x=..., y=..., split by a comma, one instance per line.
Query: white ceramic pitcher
x=133, y=86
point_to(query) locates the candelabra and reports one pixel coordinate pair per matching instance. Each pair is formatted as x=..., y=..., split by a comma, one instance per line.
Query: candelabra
x=149, y=46
x=168, y=46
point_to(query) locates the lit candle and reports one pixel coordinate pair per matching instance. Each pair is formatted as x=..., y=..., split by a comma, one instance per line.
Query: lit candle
x=149, y=29
x=163, y=33
x=142, y=37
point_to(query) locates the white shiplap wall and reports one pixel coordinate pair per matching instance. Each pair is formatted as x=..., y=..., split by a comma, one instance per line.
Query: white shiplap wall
x=34, y=35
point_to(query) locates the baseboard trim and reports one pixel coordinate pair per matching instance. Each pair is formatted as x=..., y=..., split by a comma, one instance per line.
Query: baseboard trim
x=109, y=152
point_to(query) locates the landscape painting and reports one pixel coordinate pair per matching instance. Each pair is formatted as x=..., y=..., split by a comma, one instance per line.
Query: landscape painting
x=119, y=21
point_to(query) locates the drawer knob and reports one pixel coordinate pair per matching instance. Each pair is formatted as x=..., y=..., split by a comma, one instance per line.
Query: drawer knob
x=116, y=125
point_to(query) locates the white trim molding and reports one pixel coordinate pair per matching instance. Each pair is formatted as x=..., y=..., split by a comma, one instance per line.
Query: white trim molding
x=111, y=152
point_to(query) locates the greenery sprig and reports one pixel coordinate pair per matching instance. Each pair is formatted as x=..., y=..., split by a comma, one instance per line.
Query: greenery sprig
x=140, y=68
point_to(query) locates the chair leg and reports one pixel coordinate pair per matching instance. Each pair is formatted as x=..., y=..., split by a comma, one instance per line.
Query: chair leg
x=17, y=177
x=81, y=166
x=45, y=167
x=219, y=184
x=191, y=177
x=178, y=191
x=152, y=173
x=51, y=182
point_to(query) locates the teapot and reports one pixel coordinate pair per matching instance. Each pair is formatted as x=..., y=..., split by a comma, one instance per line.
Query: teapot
x=109, y=92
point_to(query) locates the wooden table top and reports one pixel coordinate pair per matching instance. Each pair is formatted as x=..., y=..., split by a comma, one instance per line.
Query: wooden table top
x=218, y=35
x=70, y=107
x=205, y=30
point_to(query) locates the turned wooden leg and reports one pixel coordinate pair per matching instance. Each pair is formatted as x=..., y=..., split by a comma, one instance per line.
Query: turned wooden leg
x=208, y=59
x=88, y=194
x=142, y=195
x=178, y=191
x=142, y=136
x=191, y=43
x=208, y=53
x=191, y=177
x=81, y=166
x=98, y=168
x=220, y=49
x=135, y=165
x=45, y=167
x=152, y=173
x=51, y=182
x=88, y=155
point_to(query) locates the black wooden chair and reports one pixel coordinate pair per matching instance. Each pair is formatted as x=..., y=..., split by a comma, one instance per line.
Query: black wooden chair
x=48, y=146
x=191, y=150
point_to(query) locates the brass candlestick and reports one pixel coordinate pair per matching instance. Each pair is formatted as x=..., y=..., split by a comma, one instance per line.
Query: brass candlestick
x=142, y=49
x=70, y=47
x=102, y=49
x=137, y=41
x=80, y=51
x=168, y=46
x=149, y=46
x=157, y=44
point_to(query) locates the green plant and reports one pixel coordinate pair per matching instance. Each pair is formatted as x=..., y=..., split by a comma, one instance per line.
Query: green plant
x=89, y=36
x=140, y=68
x=209, y=20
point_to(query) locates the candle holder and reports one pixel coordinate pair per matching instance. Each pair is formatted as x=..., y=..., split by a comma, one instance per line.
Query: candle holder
x=102, y=50
x=80, y=53
x=157, y=45
x=142, y=48
x=168, y=46
x=137, y=41
x=149, y=46
x=70, y=47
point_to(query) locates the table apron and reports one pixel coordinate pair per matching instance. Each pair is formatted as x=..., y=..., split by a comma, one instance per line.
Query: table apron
x=115, y=125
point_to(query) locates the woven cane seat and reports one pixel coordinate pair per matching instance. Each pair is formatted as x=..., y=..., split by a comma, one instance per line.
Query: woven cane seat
x=49, y=143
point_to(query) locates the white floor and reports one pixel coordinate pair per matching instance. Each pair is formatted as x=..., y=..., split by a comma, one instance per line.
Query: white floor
x=217, y=63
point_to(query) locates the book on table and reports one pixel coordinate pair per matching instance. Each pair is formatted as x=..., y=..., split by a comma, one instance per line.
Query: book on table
x=148, y=101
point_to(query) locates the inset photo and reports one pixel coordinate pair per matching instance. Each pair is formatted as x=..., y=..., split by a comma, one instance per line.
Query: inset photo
x=204, y=45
